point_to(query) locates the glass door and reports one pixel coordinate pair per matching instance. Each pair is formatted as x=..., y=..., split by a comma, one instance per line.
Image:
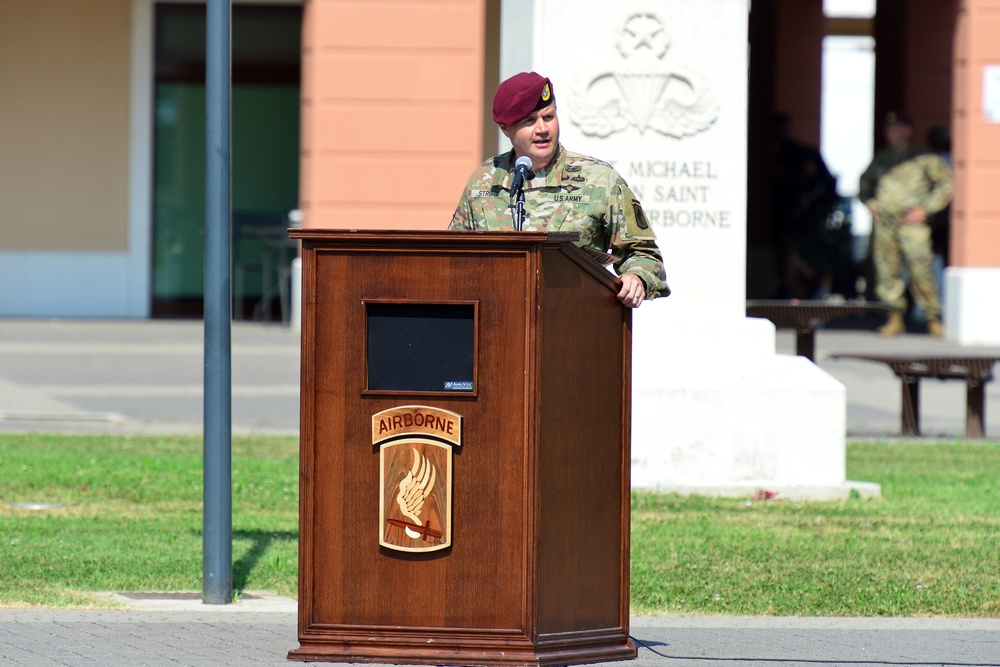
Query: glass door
x=265, y=153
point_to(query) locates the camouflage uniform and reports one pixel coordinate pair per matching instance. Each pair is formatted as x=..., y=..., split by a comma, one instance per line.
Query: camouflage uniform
x=896, y=181
x=575, y=193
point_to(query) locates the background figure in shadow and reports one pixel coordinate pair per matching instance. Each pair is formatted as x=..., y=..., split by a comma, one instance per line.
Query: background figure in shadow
x=939, y=140
x=808, y=219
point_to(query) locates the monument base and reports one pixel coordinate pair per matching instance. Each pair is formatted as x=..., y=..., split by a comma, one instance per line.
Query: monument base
x=764, y=491
x=971, y=316
x=716, y=411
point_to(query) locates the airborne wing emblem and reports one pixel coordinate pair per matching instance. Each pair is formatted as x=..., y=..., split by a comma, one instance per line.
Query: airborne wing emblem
x=414, y=489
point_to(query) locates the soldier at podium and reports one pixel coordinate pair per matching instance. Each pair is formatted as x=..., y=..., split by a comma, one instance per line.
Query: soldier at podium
x=562, y=191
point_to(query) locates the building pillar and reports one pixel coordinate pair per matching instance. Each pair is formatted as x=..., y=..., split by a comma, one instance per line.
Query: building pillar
x=658, y=88
x=972, y=281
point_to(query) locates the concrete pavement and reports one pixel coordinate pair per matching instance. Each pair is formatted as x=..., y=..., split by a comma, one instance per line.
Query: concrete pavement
x=141, y=376
x=146, y=376
x=240, y=636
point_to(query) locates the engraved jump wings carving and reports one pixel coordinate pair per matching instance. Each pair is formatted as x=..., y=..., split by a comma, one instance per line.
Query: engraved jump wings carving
x=647, y=90
x=598, y=120
x=690, y=110
x=675, y=104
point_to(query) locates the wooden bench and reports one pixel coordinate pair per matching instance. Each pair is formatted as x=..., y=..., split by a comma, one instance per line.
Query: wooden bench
x=910, y=368
x=805, y=316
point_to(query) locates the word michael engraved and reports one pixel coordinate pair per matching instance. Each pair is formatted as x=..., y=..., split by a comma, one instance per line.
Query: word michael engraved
x=647, y=91
x=416, y=445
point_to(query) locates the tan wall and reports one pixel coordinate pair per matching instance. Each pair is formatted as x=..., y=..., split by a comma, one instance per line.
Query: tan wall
x=392, y=111
x=975, y=222
x=64, y=77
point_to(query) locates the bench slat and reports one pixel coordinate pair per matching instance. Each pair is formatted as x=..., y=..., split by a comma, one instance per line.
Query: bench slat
x=910, y=368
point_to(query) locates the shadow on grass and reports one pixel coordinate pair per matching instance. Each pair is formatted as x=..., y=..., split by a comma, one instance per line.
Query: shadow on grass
x=260, y=541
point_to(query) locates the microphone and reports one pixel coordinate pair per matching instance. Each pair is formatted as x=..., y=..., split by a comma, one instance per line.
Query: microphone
x=522, y=171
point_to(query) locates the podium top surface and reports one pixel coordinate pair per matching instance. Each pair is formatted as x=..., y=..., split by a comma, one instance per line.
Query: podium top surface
x=429, y=236
x=589, y=259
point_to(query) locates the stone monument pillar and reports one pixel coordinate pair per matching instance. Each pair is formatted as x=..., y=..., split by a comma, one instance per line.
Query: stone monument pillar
x=659, y=89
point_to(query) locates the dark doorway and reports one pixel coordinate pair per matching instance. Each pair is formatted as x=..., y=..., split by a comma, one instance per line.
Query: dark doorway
x=266, y=58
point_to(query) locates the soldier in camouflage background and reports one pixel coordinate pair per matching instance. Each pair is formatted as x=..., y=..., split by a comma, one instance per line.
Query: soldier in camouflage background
x=565, y=191
x=903, y=187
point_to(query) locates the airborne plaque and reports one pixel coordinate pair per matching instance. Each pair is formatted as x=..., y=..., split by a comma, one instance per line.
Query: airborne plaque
x=415, y=468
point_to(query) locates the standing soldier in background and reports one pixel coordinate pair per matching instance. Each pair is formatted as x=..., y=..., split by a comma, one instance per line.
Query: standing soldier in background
x=563, y=191
x=903, y=187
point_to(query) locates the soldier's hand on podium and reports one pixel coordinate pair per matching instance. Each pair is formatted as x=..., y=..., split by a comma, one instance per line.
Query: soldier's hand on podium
x=633, y=290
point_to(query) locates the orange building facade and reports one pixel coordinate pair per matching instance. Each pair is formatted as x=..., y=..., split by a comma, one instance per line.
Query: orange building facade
x=976, y=211
x=393, y=115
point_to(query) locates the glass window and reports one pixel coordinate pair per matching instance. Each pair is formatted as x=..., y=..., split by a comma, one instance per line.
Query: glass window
x=849, y=9
x=266, y=53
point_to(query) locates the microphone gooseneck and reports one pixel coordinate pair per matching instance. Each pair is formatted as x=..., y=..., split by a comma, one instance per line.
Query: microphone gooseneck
x=522, y=172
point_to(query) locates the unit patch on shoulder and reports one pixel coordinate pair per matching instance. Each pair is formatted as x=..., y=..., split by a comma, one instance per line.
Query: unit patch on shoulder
x=640, y=215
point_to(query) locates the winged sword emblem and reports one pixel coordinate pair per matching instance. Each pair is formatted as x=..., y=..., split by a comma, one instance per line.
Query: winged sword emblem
x=416, y=465
x=414, y=489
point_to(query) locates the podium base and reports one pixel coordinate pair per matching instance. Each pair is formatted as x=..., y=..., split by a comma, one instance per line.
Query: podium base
x=415, y=648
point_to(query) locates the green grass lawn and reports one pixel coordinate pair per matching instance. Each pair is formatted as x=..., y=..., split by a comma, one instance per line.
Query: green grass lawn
x=929, y=547
x=132, y=519
x=132, y=522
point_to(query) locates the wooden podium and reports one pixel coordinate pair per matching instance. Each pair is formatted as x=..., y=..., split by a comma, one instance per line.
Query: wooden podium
x=464, y=451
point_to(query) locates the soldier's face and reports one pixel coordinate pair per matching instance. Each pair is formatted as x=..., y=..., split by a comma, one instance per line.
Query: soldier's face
x=537, y=136
x=898, y=135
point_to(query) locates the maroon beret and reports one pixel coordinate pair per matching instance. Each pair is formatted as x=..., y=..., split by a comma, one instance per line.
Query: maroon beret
x=898, y=118
x=519, y=95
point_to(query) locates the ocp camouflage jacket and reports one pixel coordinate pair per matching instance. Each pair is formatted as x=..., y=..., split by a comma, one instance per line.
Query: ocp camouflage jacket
x=897, y=181
x=575, y=193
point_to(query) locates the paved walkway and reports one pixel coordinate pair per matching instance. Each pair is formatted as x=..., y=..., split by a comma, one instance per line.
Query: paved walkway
x=243, y=637
x=141, y=376
x=146, y=376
